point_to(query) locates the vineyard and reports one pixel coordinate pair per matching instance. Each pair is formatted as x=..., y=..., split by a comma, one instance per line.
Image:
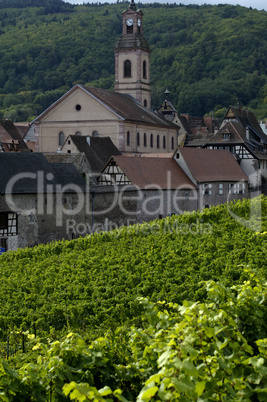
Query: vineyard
x=170, y=310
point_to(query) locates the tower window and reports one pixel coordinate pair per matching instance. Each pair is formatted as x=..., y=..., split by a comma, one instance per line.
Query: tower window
x=129, y=27
x=164, y=142
x=128, y=137
x=144, y=139
x=144, y=69
x=172, y=143
x=61, y=138
x=145, y=103
x=151, y=140
x=127, y=69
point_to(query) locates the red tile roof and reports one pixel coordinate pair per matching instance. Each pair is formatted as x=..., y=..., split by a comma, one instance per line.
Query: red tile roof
x=237, y=134
x=210, y=165
x=154, y=173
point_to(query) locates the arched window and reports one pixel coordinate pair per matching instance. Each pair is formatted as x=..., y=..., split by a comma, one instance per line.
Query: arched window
x=172, y=143
x=144, y=139
x=144, y=69
x=164, y=141
x=145, y=103
x=78, y=133
x=157, y=141
x=151, y=140
x=127, y=69
x=61, y=138
x=137, y=139
x=128, y=137
x=95, y=133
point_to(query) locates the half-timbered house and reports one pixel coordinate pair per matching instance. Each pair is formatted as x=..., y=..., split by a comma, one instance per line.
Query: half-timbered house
x=241, y=134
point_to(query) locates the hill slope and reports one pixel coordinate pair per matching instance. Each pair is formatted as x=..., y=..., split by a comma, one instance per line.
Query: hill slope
x=209, y=57
x=212, y=349
x=93, y=282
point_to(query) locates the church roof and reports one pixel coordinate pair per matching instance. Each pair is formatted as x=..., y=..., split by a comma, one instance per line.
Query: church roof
x=127, y=107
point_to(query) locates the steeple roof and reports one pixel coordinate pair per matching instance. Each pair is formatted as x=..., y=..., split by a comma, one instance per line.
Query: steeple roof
x=132, y=5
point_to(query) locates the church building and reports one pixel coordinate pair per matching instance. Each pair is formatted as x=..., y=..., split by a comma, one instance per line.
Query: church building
x=124, y=115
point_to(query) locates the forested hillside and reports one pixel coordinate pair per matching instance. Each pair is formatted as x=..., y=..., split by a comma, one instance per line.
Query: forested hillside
x=208, y=56
x=179, y=305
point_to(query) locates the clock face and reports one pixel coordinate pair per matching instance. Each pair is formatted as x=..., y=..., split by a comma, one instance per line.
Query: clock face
x=139, y=23
x=129, y=22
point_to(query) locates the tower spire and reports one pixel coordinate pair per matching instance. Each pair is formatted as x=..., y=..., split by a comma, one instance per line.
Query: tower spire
x=132, y=5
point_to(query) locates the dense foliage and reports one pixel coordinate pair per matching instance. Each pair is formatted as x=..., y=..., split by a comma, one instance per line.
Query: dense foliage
x=208, y=56
x=192, y=352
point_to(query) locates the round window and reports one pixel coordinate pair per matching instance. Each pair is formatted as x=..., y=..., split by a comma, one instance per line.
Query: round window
x=78, y=107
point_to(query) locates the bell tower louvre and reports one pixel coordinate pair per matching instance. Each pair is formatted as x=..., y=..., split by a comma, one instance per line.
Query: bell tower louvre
x=132, y=58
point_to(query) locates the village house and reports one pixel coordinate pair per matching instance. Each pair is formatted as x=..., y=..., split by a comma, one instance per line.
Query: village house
x=216, y=173
x=163, y=187
x=88, y=154
x=191, y=179
x=241, y=134
x=97, y=150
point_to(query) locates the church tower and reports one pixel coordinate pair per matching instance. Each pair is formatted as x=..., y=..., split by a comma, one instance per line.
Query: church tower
x=132, y=58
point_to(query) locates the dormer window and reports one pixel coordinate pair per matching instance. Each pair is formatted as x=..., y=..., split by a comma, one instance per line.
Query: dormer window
x=226, y=136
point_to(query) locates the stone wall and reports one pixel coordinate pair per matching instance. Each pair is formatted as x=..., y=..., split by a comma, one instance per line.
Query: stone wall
x=47, y=217
x=157, y=204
